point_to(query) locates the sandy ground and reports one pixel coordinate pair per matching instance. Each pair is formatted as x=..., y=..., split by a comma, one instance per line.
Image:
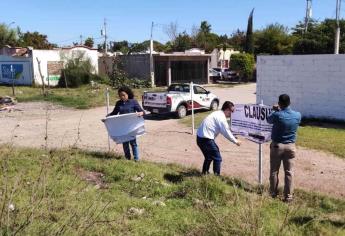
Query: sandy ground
x=167, y=141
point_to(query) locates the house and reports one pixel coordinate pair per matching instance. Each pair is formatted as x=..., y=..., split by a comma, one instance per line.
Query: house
x=221, y=58
x=31, y=65
x=168, y=67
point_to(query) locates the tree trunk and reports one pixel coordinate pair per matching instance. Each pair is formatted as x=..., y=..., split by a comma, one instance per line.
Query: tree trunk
x=42, y=77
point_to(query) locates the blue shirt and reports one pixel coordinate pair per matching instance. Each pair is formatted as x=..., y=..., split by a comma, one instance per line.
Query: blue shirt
x=285, y=123
x=124, y=107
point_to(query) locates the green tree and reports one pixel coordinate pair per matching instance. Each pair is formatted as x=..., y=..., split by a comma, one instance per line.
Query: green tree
x=249, y=46
x=319, y=39
x=182, y=42
x=205, y=27
x=89, y=42
x=35, y=40
x=274, y=39
x=243, y=63
x=120, y=46
x=7, y=36
x=205, y=39
x=238, y=40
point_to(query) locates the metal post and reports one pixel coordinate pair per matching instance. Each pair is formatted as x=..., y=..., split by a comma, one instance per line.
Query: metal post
x=152, y=73
x=337, y=32
x=308, y=14
x=260, y=163
x=105, y=37
x=12, y=75
x=260, y=157
x=107, y=100
x=192, y=101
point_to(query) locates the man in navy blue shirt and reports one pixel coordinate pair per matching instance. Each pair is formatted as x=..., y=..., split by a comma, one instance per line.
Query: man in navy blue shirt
x=283, y=149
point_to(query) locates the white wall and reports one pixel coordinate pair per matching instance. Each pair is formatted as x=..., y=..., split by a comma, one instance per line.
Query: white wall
x=23, y=64
x=59, y=55
x=315, y=83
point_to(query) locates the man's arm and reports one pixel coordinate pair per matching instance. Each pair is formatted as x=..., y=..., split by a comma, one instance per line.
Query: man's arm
x=272, y=117
x=225, y=131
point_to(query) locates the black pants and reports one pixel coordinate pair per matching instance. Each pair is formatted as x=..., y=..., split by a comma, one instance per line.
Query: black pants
x=211, y=153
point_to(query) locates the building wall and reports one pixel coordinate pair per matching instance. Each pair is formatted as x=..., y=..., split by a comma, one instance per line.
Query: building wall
x=315, y=83
x=105, y=65
x=137, y=65
x=214, y=58
x=21, y=70
x=57, y=56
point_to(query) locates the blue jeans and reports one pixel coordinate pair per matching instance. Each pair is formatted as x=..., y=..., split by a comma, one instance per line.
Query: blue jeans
x=135, y=151
x=211, y=153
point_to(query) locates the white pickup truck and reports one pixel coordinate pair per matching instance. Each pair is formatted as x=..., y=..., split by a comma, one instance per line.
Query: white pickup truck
x=178, y=100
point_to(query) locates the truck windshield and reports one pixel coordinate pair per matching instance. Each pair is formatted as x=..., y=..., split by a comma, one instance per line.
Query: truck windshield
x=179, y=88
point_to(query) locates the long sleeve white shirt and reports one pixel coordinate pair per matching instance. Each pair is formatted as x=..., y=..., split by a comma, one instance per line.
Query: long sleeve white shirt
x=214, y=124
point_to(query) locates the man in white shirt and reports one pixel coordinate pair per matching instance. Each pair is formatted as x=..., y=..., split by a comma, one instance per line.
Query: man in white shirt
x=209, y=129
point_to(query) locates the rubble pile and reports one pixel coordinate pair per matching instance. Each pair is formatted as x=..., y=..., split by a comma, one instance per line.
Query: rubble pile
x=7, y=103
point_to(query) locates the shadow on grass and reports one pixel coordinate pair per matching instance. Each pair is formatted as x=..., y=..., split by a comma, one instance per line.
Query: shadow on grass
x=104, y=155
x=180, y=176
x=323, y=123
x=303, y=220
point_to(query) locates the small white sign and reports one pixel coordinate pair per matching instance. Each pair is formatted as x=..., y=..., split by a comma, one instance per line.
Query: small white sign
x=126, y=127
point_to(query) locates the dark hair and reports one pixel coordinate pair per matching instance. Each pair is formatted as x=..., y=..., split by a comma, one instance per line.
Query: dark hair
x=284, y=100
x=126, y=90
x=227, y=105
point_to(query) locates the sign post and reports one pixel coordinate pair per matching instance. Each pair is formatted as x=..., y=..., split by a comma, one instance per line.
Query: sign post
x=12, y=75
x=107, y=101
x=250, y=121
x=260, y=156
x=192, y=101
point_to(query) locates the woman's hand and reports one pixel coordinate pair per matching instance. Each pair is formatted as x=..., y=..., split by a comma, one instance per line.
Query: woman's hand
x=140, y=113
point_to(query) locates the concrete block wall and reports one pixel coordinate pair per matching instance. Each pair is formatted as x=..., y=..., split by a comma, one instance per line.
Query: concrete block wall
x=315, y=83
x=136, y=65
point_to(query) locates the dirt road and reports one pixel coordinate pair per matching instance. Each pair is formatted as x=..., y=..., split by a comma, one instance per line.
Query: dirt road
x=166, y=141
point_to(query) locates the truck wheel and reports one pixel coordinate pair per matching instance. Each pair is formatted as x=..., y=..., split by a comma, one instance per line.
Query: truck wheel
x=181, y=111
x=214, y=105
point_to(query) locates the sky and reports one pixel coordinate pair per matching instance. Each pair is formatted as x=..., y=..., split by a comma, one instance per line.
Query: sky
x=63, y=21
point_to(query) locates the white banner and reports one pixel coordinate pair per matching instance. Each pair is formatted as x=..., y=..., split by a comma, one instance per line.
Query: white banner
x=126, y=127
x=250, y=120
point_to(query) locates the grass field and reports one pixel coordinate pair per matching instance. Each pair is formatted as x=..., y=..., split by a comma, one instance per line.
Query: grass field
x=76, y=193
x=84, y=97
x=322, y=136
x=81, y=98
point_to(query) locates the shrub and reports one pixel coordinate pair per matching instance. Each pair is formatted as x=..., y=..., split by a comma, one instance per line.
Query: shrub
x=243, y=63
x=77, y=71
x=131, y=82
x=118, y=77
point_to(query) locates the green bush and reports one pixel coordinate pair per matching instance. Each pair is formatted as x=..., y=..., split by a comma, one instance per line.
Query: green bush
x=244, y=63
x=77, y=71
x=118, y=77
x=131, y=82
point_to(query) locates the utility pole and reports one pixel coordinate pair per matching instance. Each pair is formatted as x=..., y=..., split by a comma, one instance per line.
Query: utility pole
x=337, y=31
x=81, y=39
x=104, y=33
x=308, y=15
x=152, y=73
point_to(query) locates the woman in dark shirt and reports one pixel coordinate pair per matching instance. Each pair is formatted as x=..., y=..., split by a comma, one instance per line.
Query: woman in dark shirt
x=127, y=104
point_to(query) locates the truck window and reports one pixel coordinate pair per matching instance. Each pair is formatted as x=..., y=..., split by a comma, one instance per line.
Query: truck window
x=179, y=88
x=199, y=90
